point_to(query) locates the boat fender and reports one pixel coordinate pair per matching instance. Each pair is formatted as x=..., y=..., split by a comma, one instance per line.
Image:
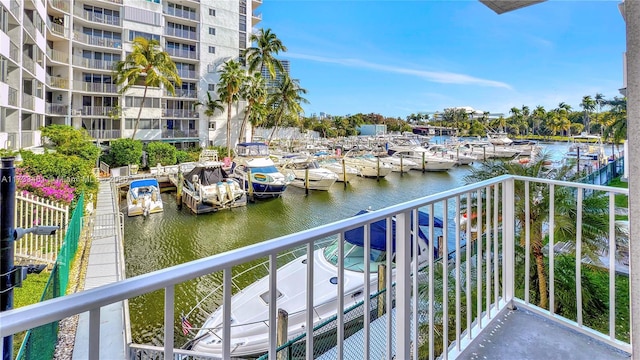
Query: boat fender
x=219, y=193
x=230, y=196
x=154, y=196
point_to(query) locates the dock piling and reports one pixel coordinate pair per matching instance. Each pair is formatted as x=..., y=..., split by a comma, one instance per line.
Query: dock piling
x=382, y=281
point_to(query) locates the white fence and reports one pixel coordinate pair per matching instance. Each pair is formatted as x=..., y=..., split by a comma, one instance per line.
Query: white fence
x=32, y=210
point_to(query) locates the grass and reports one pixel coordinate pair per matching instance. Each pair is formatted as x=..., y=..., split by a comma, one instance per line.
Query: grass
x=30, y=293
x=622, y=201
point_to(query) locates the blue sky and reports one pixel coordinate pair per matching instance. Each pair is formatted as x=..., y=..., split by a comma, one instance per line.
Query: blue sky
x=401, y=57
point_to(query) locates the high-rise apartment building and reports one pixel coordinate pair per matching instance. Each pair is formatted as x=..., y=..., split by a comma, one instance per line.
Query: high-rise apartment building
x=57, y=59
x=273, y=82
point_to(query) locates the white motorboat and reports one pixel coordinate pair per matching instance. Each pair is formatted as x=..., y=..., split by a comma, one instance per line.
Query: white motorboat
x=208, y=188
x=307, y=173
x=369, y=167
x=419, y=154
x=498, y=138
x=399, y=163
x=143, y=197
x=586, y=153
x=461, y=155
x=345, y=172
x=250, y=307
x=257, y=172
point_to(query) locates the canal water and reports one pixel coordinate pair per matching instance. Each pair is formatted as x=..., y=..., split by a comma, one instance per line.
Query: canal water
x=176, y=236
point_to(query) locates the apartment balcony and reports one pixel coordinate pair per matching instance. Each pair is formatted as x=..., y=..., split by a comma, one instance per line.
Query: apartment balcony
x=56, y=109
x=96, y=40
x=189, y=74
x=16, y=8
x=186, y=54
x=14, y=52
x=29, y=28
x=13, y=97
x=29, y=64
x=179, y=134
x=27, y=101
x=104, y=134
x=179, y=33
x=57, y=82
x=179, y=113
x=93, y=63
x=80, y=12
x=255, y=3
x=57, y=29
x=30, y=138
x=255, y=19
x=113, y=1
x=58, y=56
x=180, y=13
x=62, y=5
x=97, y=110
x=473, y=303
x=192, y=94
x=95, y=87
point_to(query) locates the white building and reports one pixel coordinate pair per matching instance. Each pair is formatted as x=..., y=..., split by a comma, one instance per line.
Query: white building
x=57, y=56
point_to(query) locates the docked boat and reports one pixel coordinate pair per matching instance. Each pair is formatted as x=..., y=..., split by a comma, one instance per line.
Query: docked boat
x=307, y=173
x=369, y=167
x=498, y=138
x=345, y=172
x=461, y=155
x=420, y=154
x=586, y=153
x=257, y=172
x=208, y=188
x=143, y=197
x=250, y=307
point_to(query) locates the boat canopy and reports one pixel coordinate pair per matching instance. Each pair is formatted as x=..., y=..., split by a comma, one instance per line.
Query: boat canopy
x=208, y=175
x=379, y=231
x=143, y=183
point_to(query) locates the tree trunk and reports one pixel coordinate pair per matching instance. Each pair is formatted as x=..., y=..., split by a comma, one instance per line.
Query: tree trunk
x=229, y=129
x=135, y=127
x=244, y=123
x=542, y=280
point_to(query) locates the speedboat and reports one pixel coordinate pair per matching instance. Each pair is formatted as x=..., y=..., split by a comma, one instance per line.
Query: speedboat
x=250, y=307
x=207, y=188
x=369, y=167
x=419, y=154
x=257, y=172
x=308, y=174
x=345, y=172
x=143, y=197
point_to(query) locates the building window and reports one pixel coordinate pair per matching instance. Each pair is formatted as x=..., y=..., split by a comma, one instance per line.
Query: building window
x=212, y=31
x=212, y=12
x=212, y=87
x=212, y=49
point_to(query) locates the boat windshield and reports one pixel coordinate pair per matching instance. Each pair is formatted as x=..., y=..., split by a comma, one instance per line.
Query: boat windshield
x=264, y=169
x=354, y=257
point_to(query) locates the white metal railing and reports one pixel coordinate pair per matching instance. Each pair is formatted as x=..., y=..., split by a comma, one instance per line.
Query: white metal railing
x=181, y=113
x=57, y=55
x=191, y=15
x=13, y=97
x=446, y=302
x=58, y=29
x=27, y=101
x=14, y=52
x=56, y=109
x=28, y=64
x=97, y=110
x=97, y=40
x=57, y=82
x=61, y=5
x=32, y=210
x=29, y=28
x=104, y=134
x=191, y=74
x=182, y=93
x=93, y=63
x=95, y=87
x=15, y=8
x=96, y=17
x=187, y=54
x=181, y=33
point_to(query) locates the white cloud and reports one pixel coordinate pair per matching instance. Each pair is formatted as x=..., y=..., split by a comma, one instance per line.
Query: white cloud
x=443, y=77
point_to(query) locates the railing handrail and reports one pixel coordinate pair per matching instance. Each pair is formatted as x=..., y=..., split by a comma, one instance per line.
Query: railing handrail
x=43, y=313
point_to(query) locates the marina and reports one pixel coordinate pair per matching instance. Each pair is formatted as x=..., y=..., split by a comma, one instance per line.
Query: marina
x=177, y=236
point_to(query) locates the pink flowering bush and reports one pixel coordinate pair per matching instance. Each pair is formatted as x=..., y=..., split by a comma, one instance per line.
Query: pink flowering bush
x=52, y=189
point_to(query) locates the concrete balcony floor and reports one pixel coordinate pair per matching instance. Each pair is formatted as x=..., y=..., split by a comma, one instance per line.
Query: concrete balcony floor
x=521, y=334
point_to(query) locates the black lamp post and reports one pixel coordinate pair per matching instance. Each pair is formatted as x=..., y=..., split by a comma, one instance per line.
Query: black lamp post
x=7, y=269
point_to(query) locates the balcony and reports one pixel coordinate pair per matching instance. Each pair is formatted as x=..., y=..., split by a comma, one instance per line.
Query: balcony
x=14, y=52
x=460, y=306
x=15, y=8
x=104, y=134
x=29, y=64
x=255, y=19
x=97, y=110
x=96, y=40
x=255, y=3
x=13, y=97
x=58, y=56
x=179, y=113
x=179, y=33
x=57, y=82
x=27, y=101
x=187, y=54
x=29, y=28
x=57, y=29
x=94, y=63
x=193, y=94
x=95, y=87
x=79, y=11
x=56, y=109
x=178, y=134
x=62, y=5
x=190, y=74
x=180, y=13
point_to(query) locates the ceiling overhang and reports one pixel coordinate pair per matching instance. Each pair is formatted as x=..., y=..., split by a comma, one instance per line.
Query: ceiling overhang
x=503, y=6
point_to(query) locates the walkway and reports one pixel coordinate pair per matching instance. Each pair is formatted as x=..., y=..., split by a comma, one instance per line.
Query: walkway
x=104, y=266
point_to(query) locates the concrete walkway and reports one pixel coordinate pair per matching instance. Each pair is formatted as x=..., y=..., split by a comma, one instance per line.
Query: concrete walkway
x=104, y=267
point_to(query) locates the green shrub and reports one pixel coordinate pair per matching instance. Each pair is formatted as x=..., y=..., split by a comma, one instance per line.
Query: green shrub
x=124, y=152
x=70, y=141
x=161, y=152
x=183, y=156
x=71, y=169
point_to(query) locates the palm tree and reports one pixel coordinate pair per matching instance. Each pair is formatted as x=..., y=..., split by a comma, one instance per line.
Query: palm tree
x=599, y=99
x=261, y=56
x=149, y=63
x=231, y=79
x=539, y=114
x=255, y=92
x=210, y=106
x=285, y=101
x=617, y=119
x=588, y=105
x=595, y=208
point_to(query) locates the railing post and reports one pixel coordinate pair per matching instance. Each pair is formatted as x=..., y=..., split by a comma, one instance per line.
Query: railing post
x=403, y=285
x=169, y=293
x=509, y=238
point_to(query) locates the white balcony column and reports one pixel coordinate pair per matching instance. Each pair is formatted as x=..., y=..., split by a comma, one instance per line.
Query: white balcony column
x=403, y=285
x=632, y=14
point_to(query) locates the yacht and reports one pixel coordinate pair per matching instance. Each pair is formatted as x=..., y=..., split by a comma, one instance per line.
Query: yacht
x=143, y=197
x=253, y=167
x=418, y=153
x=307, y=173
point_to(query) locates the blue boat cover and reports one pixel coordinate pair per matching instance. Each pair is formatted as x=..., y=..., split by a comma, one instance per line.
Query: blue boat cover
x=379, y=231
x=143, y=183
